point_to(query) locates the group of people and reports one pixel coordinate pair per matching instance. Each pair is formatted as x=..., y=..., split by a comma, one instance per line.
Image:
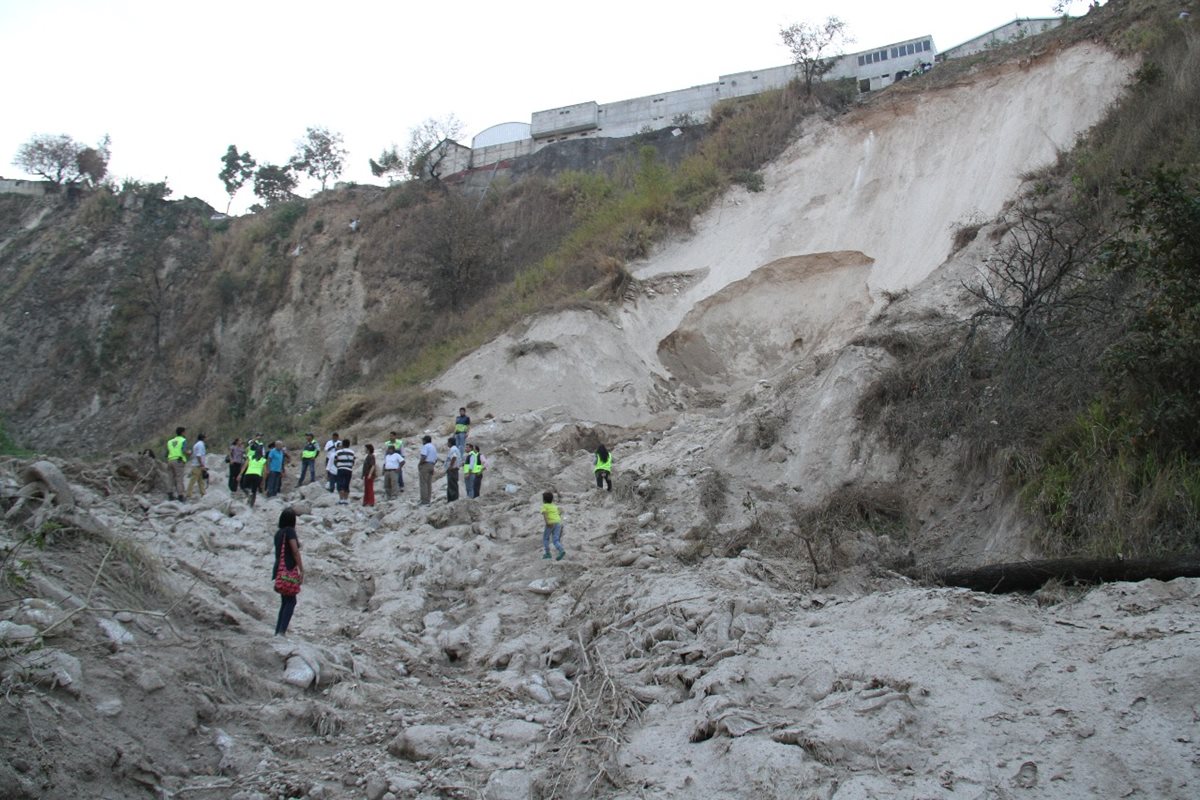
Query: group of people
x=254, y=466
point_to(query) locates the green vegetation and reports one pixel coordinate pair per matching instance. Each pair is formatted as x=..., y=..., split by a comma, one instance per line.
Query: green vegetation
x=1081, y=372
x=8, y=445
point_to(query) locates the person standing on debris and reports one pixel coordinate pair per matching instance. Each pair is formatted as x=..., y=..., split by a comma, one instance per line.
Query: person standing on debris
x=343, y=459
x=252, y=473
x=553, y=530
x=429, y=457
x=470, y=463
x=236, y=460
x=198, y=475
x=331, y=448
x=369, y=476
x=177, y=451
x=462, y=424
x=397, y=443
x=603, y=467
x=287, y=555
x=391, y=468
x=453, y=462
x=308, y=460
x=480, y=464
x=274, y=469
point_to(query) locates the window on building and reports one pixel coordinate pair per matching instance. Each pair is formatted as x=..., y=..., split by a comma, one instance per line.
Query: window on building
x=925, y=45
x=860, y=60
x=894, y=54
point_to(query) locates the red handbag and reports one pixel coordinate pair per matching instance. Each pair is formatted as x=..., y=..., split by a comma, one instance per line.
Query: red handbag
x=287, y=581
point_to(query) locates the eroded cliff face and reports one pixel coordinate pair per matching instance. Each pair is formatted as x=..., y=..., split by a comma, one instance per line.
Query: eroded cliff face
x=116, y=324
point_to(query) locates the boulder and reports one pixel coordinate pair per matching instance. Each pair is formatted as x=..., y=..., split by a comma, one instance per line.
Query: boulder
x=299, y=672
x=115, y=632
x=42, y=614
x=543, y=586
x=421, y=742
x=518, y=731
x=51, y=668
x=13, y=634
x=509, y=784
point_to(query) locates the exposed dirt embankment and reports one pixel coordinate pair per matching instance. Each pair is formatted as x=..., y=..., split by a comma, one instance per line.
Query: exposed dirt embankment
x=891, y=180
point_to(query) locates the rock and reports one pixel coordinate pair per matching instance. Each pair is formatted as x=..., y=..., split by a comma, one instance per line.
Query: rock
x=150, y=681
x=52, y=668
x=14, y=634
x=213, y=515
x=543, y=586
x=518, y=731
x=508, y=784
x=42, y=615
x=313, y=491
x=455, y=643
x=109, y=707
x=537, y=691
x=302, y=507
x=557, y=683
x=401, y=783
x=645, y=519
x=421, y=742
x=236, y=757
x=299, y=672
x=819, y=682
x=376, y=788
x=117, y=635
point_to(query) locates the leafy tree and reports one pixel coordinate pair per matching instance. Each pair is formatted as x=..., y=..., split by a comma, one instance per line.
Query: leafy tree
x=809, y=42
x=457, y=247
x=320, y=155
x=423, y=157
x=390, y=163
x=1160, y=353
x=62, y=160
x=274, y=184
x=239, y=168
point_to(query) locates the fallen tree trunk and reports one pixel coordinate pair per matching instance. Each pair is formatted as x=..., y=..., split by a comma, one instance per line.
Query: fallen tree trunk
x=1029, y=576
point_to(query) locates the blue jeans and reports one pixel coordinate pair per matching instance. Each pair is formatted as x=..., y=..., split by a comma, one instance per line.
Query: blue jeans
x=274, y=479
x=308, y=465
x=552, y=532
x=460, y=439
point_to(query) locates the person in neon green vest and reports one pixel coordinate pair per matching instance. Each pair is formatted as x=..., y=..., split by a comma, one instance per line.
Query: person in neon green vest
x=603, y=467
x=177, y=456
x=308, y=460
x=252, y=473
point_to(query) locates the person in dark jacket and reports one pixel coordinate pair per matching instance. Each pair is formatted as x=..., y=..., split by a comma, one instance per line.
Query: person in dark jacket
x=287, y=541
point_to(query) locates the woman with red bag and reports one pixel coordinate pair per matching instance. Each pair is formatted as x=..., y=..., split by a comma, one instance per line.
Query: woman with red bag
x=288, y=572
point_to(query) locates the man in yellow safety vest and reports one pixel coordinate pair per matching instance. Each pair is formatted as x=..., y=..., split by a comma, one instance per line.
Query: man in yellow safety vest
x=177, y=456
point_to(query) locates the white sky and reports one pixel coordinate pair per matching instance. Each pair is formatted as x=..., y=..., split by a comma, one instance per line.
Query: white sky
x=175, y=83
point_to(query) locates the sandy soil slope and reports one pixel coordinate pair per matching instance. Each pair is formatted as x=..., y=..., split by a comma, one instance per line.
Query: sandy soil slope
x=890, y=180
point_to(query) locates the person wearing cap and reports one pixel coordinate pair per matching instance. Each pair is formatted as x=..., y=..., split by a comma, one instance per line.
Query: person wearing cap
x=308, y=460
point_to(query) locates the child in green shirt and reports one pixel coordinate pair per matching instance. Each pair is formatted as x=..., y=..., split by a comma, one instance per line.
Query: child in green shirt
x=553, y=531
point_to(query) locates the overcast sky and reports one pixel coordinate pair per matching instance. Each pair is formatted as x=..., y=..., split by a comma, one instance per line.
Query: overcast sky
x=175, y=83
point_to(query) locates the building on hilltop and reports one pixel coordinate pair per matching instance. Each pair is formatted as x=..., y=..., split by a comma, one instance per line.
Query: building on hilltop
x=1010, y=31
x=872, y=70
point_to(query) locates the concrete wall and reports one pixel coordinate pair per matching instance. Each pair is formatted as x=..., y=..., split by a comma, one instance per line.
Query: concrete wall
x=31, y=188
x=1017, y=29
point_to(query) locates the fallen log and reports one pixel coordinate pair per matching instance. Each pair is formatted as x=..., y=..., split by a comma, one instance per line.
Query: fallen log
x=1029, y=576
